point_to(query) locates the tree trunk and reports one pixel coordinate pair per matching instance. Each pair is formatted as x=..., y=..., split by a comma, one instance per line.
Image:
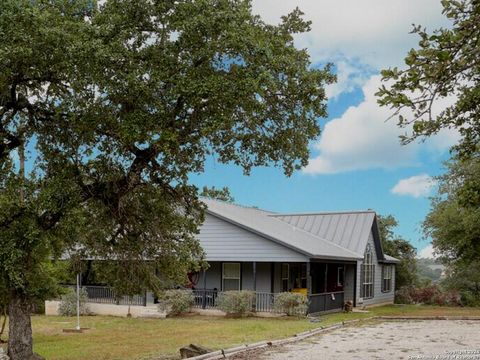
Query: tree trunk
x=20, y=342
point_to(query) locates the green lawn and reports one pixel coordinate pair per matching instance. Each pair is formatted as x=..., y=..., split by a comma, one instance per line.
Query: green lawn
x=122, y=338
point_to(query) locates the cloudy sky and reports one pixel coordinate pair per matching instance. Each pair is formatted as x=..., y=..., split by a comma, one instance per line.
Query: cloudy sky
x=357, y=162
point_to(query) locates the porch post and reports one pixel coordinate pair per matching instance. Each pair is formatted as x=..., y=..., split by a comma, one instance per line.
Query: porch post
x=204, y=295
x=309, y=279
x=254, y=276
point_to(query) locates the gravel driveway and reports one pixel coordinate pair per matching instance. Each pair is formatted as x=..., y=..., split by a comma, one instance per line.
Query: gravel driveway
x=386, y=340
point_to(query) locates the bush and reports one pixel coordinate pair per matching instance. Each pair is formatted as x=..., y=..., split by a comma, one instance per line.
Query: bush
x=176, y=302
x=403, y=295
x=236, y=302
x=291, y=303
x=428, y=295
x=68, y=303
x=468, y=298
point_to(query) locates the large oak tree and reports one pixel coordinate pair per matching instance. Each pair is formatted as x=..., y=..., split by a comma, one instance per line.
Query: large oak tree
x=106, y=109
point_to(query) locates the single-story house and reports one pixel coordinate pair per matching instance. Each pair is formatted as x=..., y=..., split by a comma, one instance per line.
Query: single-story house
x=332, y=257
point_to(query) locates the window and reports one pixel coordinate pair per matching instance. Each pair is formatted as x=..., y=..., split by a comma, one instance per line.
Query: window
x=387, y=278
x=303, y=276
x=340, y=272
x=231, y=276
x=368, y=270
x=285, y=277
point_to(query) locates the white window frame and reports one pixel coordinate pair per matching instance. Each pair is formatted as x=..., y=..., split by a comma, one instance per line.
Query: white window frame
x=368, y=268
x=239, y=278
x=387, y=278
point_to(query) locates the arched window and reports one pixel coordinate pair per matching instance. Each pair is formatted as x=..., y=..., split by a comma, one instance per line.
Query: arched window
x=368, y=274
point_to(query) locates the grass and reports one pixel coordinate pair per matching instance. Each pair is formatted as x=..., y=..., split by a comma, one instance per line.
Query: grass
x=121, y=338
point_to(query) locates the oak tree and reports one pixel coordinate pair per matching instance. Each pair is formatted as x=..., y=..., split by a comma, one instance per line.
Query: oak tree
x=105, y=111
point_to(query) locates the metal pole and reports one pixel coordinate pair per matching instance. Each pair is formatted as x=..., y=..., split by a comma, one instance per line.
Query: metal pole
x=78, y=302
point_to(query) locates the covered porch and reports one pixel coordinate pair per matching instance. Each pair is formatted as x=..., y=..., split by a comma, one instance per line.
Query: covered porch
x=327, y=284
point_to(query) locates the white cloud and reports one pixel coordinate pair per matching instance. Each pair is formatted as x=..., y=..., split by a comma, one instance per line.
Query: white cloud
x=362, y=138
x=375, y=31
x=357, y=36
x=426, y=252
x=416, y=186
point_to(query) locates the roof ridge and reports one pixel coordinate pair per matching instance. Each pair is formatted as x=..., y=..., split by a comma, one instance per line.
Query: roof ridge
x=346, y=212
x=239, y=205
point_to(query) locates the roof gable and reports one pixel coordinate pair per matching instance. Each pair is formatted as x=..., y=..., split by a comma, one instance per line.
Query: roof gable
x=349, y=230
x=268, y=226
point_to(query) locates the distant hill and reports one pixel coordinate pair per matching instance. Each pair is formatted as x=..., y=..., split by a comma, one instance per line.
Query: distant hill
x=430, y=269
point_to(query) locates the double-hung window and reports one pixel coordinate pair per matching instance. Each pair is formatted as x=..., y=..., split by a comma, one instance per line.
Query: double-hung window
x=368, y=270
x=231, y=276
x=387, y=278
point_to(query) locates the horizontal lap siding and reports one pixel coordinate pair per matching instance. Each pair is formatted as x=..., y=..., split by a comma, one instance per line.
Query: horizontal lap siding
x=224, y=241
x=378, y=296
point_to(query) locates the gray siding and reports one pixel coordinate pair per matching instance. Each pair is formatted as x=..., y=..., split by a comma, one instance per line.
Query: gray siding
x=379, y=297
x=214, y=276
x=349, y=282
x=224, y=241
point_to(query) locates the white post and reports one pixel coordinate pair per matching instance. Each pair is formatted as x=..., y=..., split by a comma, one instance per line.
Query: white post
x=78, y=302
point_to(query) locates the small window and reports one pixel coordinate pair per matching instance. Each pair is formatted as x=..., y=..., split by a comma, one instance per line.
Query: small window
x=285, y=277
x=387, y=278
x=303, y=276
x=231, y=276
x=340, y=276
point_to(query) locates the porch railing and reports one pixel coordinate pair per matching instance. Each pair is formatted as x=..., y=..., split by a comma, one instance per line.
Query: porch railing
x=106, y=295
x=265, y=302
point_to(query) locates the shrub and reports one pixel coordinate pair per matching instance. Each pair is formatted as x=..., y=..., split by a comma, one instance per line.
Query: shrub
x=291, y=303
x=468, y=298
x=176, y=302
x=403, y=295
x=429, y=295
x=68, y=303
x=236, y=302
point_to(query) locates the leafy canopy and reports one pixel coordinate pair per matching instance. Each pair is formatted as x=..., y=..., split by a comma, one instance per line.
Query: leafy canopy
x=444, y=65
x=393, y=245
x=121, y=102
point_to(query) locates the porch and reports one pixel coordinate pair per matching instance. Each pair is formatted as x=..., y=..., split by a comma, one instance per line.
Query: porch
x=327, y=284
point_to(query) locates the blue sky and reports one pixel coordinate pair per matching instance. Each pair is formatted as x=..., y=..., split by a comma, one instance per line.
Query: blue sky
x=357, y=162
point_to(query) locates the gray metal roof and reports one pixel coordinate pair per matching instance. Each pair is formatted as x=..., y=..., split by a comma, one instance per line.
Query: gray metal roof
x=349, y=230
x=273, y=228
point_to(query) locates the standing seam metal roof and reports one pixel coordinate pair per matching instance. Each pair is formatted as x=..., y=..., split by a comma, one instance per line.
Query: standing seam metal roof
x=268, y=225
x=349, y=230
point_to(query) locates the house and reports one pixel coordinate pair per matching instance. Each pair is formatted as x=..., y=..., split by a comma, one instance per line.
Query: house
x=332, y=257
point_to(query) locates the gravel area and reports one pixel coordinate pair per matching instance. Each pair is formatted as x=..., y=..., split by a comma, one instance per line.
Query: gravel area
x=385, y=340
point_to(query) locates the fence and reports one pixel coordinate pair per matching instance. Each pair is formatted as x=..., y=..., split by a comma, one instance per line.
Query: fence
x=106, y=295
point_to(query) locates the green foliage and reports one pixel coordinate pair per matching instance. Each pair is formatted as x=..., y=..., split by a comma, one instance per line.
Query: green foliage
x=454, y=225
x=68, y=303
x=406, y=270
x=236, y=302
x=291, y=303
x=176, y=302
x=122, y=102
x=444, y=64
x=222, y=194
